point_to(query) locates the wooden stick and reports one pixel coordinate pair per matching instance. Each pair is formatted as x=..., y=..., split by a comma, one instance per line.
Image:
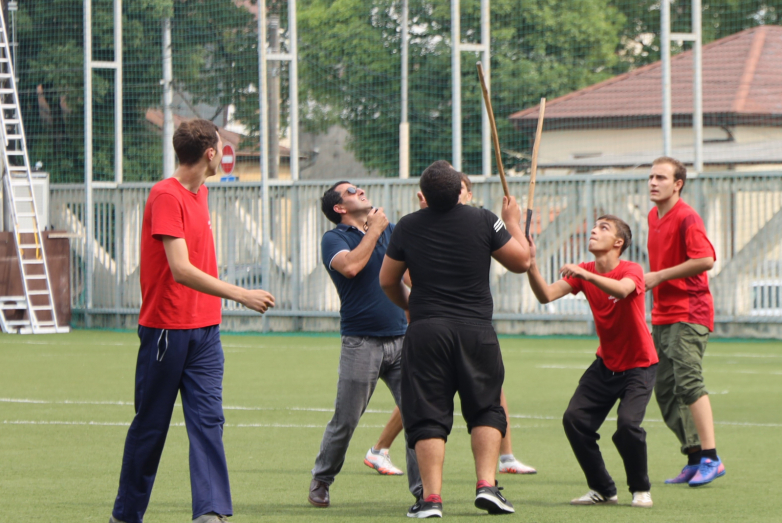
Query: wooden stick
x=494, y=137
x=534, y=168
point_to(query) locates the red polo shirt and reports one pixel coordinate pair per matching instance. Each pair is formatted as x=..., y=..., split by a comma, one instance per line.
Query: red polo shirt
x=172, y=210
x=680, y=236
x=625, y=342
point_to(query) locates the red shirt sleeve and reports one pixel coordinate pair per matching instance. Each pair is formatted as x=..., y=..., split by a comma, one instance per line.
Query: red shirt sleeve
x=576, y=283
x=635, y=273
x=698, y=244
x=167, y=219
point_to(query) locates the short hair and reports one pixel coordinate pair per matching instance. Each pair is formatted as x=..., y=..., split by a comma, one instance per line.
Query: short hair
x=192, y=139
x=441, y=186
x=466, y=179
x=329, y=199
x=679, y=170
x=623, y=231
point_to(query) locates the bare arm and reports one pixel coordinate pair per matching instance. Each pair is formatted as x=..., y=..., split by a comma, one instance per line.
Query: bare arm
x=391, y=282
x=188, y=275
x=350, y=263
x=514, y=255
x=619, y=289
x=544, y=292
x=689, y=268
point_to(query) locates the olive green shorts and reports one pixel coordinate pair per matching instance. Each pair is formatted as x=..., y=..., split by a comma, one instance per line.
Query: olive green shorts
x=680, y=347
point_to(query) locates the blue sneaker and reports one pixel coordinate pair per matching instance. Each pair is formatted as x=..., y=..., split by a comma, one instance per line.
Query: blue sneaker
x=708, y=471
x=684, y=476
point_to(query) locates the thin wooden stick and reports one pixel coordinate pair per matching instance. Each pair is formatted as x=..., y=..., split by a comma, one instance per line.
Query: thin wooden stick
x=494, y=137
x=534, y=168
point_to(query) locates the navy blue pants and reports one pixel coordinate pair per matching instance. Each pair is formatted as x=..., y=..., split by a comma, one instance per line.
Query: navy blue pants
x=189, y=362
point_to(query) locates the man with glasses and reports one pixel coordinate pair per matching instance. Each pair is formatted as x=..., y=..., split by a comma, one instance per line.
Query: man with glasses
x=372, y=328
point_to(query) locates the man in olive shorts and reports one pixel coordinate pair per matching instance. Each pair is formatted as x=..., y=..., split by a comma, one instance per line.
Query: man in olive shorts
x=682, y=317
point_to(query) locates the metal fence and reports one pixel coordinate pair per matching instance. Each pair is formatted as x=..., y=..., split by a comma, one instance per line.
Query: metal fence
x=742, y=213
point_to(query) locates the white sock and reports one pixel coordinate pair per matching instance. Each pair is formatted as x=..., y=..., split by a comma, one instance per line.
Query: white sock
x=507, y=457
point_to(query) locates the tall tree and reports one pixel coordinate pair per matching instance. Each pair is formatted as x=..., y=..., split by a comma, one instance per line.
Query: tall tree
x=351, y=68
x=215, y=62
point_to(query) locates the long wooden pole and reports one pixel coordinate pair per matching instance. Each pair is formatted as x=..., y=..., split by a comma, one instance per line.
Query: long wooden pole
x=494, y=137
x=534, y=168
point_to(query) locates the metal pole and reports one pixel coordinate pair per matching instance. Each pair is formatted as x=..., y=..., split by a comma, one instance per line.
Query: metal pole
x=697, y=86
x=88, y=210
x=168, y=100
x=486, y=146
x=273, y=86
x=293, y=72
x=118, y=138
x=404, y=126
x=264, y=130
x=665, y=48
x=456, y=86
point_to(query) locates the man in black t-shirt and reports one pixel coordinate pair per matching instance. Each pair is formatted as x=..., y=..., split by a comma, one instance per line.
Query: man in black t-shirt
x=450, y=345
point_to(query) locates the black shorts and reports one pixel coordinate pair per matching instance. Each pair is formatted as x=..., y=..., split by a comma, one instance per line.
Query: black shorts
x=440, y=358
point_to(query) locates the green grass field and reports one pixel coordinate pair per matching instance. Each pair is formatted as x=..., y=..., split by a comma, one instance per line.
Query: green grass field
x=66, y=401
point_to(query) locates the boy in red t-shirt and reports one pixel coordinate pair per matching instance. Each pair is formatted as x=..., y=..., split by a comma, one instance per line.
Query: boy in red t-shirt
x=179, y=329
x=625, y=366
x=682, y=317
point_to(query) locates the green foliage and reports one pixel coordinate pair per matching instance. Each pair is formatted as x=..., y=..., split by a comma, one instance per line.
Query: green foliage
x=351, y=67
x=215, y=61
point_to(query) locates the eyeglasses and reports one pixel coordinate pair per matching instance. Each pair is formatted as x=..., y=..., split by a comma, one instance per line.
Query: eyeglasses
x=350, y=190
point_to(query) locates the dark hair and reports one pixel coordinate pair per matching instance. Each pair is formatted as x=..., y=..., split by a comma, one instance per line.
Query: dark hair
x=623, y=231
x=192, y=139
x=466, y=179
x=441, y=186
x=679, y=170
x=329, y=199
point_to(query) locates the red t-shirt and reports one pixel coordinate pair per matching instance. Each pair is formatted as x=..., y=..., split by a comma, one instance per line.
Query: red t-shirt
x=678, y=237
x=172, y=210
x=625, y=342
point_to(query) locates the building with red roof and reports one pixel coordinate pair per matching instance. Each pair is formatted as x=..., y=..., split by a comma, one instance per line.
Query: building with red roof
x=616, y=124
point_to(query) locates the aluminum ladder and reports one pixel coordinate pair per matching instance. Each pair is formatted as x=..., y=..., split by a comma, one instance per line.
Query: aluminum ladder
x=34, y=312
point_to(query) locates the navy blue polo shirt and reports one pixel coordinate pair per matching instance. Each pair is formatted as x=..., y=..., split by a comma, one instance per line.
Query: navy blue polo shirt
x=365, y=309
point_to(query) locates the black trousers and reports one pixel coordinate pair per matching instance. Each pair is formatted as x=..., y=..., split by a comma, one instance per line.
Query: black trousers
x=441, y=357
x=597, y=392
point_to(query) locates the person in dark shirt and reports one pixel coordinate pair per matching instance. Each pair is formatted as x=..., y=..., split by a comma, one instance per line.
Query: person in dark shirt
x=450, y=344
x=372, y=328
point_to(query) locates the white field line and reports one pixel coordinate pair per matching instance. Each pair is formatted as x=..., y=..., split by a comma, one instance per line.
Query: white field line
x=296, y=409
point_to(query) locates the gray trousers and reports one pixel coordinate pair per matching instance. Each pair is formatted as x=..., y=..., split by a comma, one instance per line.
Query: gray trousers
x=362, y=360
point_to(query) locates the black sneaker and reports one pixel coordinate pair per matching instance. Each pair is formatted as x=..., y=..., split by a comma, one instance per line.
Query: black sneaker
x=425, y=509
x=490, y=499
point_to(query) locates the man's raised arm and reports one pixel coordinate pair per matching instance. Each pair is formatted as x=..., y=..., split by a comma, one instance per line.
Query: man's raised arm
x=544, y=292
x=350, y=263
x=514, y=255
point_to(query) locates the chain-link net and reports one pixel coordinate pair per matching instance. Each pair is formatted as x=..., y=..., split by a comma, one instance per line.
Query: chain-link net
x=350, y=74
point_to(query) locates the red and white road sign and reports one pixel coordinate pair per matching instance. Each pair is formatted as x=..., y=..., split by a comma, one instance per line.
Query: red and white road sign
x=229, y=159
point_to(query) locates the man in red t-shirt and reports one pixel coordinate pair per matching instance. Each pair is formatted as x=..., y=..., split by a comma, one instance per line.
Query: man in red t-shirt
x=625, y=366
x=179, y=323
x=682, y=316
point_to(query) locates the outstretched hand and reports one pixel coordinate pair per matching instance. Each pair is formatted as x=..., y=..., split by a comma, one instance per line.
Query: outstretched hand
x=571, y=270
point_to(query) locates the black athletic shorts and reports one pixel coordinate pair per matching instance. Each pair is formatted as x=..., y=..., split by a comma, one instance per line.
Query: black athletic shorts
x=441, y=357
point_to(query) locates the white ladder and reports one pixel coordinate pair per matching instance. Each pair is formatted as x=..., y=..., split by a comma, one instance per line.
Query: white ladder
x=37, y=301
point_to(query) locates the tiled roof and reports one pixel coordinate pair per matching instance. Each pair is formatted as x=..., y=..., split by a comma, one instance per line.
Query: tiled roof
x=742, y=80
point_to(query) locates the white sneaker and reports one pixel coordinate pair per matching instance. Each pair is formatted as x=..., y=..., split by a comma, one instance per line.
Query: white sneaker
x=381, y=462
x=516, y=467
x=594, y=498
x=642, y=499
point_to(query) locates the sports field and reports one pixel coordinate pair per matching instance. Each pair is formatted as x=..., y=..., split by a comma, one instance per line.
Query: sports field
x=66, y=402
